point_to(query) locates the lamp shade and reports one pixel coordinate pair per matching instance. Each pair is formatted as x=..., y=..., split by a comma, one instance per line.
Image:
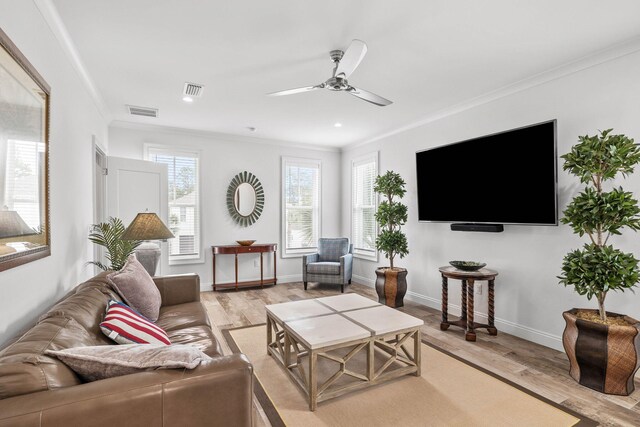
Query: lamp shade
x=147, y=226
x=12, y=225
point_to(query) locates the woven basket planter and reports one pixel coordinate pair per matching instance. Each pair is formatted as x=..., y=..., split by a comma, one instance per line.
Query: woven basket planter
x=602, y=357
x=391, y=286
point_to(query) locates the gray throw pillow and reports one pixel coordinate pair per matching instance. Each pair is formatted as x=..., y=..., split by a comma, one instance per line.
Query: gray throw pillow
x=94, y=363
x=137, y=288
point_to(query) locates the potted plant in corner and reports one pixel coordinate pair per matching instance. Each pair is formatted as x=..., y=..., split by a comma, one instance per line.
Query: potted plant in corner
x=602, y=346
x=109, y=235
x=391, y=282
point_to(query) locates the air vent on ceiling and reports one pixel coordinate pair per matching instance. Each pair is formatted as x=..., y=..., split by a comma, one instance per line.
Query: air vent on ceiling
x=142, y=111
x=193, y=90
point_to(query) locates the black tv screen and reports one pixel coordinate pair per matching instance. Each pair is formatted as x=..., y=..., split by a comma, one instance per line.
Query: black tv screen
x=505, y=178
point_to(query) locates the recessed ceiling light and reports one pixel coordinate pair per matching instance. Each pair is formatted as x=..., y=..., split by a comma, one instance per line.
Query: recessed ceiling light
x=251, y=128
x=187, y=99
x=337, y=124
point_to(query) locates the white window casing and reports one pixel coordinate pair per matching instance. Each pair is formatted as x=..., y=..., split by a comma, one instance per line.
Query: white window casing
x=301, y=205
x=364, y=203
x=184, y=201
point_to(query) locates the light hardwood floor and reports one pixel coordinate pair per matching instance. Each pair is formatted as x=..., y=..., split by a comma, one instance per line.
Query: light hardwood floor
x=537, y=368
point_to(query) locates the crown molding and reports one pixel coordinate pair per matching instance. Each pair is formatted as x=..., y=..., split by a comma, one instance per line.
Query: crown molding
x=122, y=124
x=614, y=52
x=52, y=18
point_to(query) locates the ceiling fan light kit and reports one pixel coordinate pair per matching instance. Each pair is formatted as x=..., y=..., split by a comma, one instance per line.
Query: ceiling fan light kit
x=345, y=63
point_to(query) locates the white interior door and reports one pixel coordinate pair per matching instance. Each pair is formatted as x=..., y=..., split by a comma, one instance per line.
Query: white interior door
x=135, y=186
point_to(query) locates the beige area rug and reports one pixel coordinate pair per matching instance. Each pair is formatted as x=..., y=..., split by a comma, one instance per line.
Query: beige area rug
x=450, y=392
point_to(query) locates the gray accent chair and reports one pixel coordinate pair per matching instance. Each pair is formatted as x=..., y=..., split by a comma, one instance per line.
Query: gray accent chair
x=333, y=263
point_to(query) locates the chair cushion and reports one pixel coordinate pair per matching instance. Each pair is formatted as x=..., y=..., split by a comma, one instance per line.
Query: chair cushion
x=137, y=288
x=126, y=326
x=330, y=250
x=324, y=268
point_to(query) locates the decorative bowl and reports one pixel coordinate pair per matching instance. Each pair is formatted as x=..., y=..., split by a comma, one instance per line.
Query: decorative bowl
x=245, y=242
x=467, y=265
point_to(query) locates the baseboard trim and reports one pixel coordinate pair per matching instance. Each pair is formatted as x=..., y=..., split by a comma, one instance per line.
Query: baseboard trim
x=364, y=280
x=524, y=332
x=530, y=334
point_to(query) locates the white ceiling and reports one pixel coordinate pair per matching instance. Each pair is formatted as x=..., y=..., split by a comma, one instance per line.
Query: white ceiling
x=424, y=55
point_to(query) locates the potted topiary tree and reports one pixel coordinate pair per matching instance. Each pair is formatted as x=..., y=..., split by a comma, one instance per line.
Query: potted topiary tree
x=391, y=282
x=602, y=347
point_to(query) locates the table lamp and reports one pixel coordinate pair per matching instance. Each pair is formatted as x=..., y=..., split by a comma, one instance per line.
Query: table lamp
x=147, y=226
x=12, y=225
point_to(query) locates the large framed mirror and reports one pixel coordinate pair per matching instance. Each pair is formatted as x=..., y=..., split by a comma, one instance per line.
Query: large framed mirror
x=245, y=198
x=24, y=159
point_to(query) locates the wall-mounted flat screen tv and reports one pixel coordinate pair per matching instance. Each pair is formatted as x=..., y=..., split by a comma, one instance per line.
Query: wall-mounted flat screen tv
x=506, y=178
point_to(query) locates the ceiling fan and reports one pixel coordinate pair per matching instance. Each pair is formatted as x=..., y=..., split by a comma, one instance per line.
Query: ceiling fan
x=345, y=63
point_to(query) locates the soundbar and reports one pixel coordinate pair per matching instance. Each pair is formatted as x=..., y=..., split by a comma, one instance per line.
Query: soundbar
x=486, y=228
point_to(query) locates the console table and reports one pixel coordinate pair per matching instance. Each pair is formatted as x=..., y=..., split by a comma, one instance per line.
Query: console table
x=466, y=320
x=237, y=250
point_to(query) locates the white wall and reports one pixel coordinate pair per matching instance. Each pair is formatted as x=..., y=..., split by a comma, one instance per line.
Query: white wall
x=221, y=159
x=529, y=300
x=28, y=290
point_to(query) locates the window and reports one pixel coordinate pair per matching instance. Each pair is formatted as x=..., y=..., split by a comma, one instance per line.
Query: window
x=184, y=201
x=364, y=203
x=300, y=205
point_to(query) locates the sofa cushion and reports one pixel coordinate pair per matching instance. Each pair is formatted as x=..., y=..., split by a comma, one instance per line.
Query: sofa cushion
x=199, y=336
x=87, y=307
x=107, y=361
x=137, y=288
x=124, y=325
x=24, y=368
x=324, y=268
x=332, y=249
x=182, y=316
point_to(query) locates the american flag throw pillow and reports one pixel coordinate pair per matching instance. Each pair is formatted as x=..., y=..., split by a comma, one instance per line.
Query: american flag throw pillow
x=124, y=325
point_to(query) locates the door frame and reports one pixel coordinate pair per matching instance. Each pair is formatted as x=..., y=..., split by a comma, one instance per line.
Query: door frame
x=99, y=186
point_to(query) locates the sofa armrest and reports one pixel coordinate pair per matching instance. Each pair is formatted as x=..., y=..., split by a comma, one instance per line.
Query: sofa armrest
x=217, y=393
x=178, y=289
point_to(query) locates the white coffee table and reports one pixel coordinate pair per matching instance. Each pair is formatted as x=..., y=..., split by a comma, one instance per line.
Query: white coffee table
x=301, y=332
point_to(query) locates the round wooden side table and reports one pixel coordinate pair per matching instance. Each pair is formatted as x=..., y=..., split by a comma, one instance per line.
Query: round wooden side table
x=466, y=320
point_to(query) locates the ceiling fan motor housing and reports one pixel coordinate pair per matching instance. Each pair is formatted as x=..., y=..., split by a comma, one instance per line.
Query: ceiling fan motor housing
x=336, y=83
x=336, y=55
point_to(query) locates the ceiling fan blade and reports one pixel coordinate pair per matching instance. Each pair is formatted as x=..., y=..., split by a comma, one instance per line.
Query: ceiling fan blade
x=296, y=90
x=368, y=96
x=351, y=58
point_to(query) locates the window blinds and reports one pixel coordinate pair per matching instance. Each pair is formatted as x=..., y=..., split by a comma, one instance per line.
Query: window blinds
x=301, y=201
x=184, y=200
x=363, y=223
x=23, y=183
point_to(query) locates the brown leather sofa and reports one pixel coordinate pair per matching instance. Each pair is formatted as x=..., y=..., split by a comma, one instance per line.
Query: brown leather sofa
x=38, y=390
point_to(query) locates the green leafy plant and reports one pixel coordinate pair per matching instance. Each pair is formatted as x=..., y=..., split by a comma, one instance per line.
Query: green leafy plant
x=598, y=268
x=109, y=235
x=391, y=215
